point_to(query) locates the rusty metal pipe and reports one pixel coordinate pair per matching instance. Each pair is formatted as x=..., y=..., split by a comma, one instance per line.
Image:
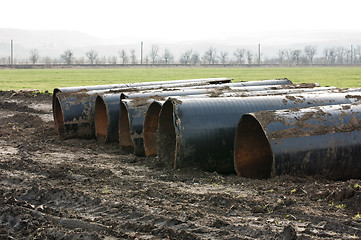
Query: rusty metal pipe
x=107, y=117
x=152, y=114
x=200, y=132
x=150, y=128
x=73, y=107
x=135, y=105
x=60, y=102
x=258, y=83
x=131, y=120
x=319, y=141
x=228, y=91
x=149, y=85
x=73, y=115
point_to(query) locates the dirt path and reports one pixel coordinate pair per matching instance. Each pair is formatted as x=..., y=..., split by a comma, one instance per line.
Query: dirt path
x=77, y=189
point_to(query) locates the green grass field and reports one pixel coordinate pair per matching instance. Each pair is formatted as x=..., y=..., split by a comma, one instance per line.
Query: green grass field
x=48, y=79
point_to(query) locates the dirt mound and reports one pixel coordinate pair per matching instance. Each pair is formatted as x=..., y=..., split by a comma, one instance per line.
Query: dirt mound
x=18, y=107
x=78, y=189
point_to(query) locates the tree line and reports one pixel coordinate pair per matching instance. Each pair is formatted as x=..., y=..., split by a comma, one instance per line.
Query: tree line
x=310, y=54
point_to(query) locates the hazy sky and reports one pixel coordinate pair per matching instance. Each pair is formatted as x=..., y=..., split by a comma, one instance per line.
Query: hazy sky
x=167, y=20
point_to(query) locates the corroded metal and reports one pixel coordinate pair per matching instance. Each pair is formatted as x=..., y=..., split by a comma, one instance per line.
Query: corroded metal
x=319, y=141
x=74, y=107
x=135, y=104
x=200, y=132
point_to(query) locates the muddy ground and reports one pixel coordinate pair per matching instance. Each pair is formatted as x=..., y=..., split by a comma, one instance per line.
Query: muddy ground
x=77, y=189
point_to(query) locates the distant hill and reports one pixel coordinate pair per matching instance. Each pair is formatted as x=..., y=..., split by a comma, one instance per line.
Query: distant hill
x=48, y=42
x=53, y=43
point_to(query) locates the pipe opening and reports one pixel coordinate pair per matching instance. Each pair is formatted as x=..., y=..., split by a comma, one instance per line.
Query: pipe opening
x=56, y=90
x=58, y=117
x=125, y=140
x=166, y=134
x=101, y=120
x=150, y=128
x=253, y=156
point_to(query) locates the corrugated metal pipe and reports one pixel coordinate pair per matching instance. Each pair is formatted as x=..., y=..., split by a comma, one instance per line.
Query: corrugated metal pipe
x=318, y=141
x=200, y=132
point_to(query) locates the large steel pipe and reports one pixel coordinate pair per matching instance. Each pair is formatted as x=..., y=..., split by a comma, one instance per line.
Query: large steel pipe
x=259, y=83
x=200, y=132
x=150, y=128
x=73, y=107
x=107, y=117
x=132, y=116
x=152, y=114
x=133, y=110
x=319, y=141
x=60, y=102
x=149, y=85
x=74, y=114
x=142, y=84
x=229, y=91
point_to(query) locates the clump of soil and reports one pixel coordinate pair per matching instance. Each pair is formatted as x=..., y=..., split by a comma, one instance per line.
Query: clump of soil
x=77, y=189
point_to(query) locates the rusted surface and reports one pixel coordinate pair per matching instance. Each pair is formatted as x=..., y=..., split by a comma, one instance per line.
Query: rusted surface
x=74, y=115
x=125, y=140
x=76, y=104
x=319, y=141
x=131, y=125
x=101, y=120
x=150, y=128
x=110, y=102
x=204, y=129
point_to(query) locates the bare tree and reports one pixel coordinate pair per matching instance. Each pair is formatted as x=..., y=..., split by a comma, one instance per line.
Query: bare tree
x=92, y=56
x=310, y=52
x=281, y=55
x=168, y=57
x=249, y=56
x=340, y=55
x=357, y=54
x=123, y=56
x=224, y=57
x=186, y=57
x=112, y=59
x=288, y=55
x=146, y=60
x=133, y=57
x=296, y=55
x=195, y=59
x=210, y=55
x=239, y=53
x=68, y=56
x=154, y=53
x=329, y=55
x=34, y=56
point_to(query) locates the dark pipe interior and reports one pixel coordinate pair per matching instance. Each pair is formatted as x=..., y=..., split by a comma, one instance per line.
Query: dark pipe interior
x=166, y=134
x=150, y=128
x=58, y=118
x=101, y=119
x=252, y=152
x=125, y=140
